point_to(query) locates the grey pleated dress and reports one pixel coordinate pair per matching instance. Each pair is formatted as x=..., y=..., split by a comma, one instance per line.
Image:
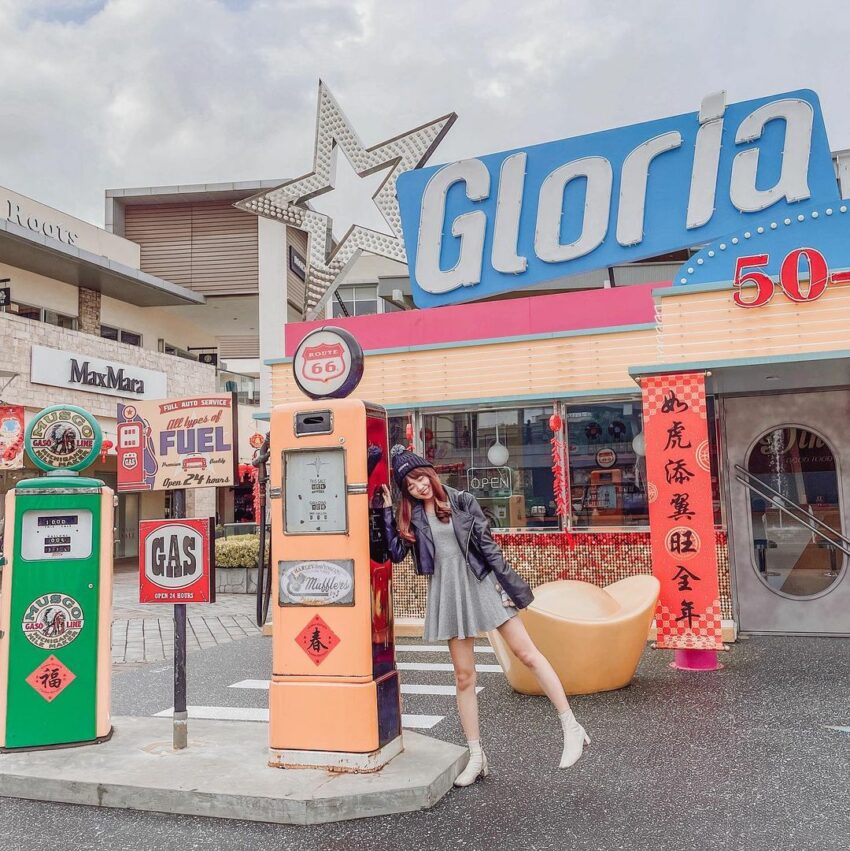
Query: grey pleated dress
x=459, y=605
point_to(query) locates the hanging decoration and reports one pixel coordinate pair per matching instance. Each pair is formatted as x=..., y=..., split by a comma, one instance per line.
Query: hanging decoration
x=498, y=453
x=11, y=437
x=560, y=484
x=248, y=477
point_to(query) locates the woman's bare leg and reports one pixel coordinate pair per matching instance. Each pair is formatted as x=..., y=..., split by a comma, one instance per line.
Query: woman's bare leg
x=463, y=659
x=517, y=638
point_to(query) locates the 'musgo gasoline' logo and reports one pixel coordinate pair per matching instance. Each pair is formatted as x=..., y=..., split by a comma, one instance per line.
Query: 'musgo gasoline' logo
x=53, y=621
x=63, y=437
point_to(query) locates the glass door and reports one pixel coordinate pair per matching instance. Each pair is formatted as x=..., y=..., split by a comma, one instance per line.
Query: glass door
x=787, y=496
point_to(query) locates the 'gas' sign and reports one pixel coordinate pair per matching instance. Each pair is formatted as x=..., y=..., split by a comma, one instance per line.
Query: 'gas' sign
x=176, y=561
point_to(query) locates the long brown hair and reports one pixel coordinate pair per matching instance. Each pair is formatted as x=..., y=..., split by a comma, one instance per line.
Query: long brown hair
x=405, y=511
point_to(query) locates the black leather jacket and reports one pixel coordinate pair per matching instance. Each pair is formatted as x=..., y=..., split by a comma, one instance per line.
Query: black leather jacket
x=472, y=531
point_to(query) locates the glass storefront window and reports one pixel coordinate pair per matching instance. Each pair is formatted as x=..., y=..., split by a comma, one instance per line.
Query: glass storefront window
x=397, y=429
x=501, y=457
x=607, y=475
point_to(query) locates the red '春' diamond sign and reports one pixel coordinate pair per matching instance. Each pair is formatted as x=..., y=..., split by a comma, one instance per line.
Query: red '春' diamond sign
x=317, y=639
x=50, y=678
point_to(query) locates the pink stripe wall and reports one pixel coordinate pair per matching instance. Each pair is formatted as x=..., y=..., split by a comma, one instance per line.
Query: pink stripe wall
x=540, y=314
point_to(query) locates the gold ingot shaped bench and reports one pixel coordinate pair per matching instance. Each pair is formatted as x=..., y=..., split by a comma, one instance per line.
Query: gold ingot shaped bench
x=594, y=637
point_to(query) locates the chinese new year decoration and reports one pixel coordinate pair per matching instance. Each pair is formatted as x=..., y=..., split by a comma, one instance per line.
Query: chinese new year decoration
x=681, y=513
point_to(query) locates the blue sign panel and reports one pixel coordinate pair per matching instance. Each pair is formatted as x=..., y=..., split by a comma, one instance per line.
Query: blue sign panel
x=505, y=221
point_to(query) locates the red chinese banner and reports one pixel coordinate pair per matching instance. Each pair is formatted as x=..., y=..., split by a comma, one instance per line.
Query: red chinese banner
x=11, y=437
x=681, y=516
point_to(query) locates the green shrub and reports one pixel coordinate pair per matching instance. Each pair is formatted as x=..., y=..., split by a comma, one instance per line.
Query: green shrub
x=238, y=551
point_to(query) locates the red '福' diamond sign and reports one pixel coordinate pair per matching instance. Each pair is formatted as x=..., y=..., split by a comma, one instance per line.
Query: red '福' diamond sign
x=317, y=639
x=50, y=678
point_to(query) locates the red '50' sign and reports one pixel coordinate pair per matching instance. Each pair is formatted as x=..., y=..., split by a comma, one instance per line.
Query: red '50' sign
x=806, y=285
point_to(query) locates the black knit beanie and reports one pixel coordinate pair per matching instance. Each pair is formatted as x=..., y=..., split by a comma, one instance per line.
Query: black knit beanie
x=404, y=461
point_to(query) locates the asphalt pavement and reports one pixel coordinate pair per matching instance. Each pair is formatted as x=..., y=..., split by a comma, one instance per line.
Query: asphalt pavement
x=744, y=758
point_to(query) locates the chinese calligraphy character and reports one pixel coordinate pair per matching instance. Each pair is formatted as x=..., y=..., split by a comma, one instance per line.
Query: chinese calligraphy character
x=674, y=436
x=671, y=405
x=50, y=679
x=680, y=503
x=677, y=472
x=683, y=576
x=688, y=613
x=682, y=542
x=316, y=641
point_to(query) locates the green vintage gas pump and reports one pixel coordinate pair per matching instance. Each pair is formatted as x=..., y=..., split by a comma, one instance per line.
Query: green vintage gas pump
x=56, y=597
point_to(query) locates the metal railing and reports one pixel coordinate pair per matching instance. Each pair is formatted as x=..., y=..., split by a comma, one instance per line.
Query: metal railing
x=786, y=506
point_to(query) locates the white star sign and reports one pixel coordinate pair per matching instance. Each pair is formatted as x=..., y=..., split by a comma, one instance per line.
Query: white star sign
x=287, y=203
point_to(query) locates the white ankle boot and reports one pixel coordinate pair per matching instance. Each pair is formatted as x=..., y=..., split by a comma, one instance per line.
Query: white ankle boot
x=475, y=768
x=575, y=738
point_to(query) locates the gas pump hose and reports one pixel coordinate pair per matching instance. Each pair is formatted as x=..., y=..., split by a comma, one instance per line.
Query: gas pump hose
x=264, y=569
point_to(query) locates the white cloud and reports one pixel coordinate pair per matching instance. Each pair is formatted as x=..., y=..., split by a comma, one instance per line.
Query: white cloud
x=106, y=93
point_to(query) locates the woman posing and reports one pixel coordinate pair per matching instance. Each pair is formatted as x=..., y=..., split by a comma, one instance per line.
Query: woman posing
x=471, y=589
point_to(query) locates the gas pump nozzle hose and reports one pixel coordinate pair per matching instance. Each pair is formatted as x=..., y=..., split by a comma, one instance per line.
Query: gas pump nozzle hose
x=264, y=570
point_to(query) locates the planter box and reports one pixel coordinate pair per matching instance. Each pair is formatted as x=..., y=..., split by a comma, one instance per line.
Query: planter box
x=236, y=580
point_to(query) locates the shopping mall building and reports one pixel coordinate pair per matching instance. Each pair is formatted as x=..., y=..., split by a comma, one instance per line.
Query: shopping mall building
x=157, y=305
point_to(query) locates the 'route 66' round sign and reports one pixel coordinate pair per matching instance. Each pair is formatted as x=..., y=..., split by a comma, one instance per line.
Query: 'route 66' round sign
x=328, y=363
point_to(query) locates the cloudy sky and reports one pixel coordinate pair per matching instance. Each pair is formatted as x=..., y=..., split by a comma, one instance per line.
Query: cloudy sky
x=113, y=93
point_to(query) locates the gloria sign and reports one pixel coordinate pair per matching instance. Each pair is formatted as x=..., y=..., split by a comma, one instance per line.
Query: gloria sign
x=177, y=561
x=58, y=368
x=177, y=443
x=509, y=220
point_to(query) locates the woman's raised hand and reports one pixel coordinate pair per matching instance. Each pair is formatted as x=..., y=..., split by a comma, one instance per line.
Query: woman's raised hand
x=388, y=499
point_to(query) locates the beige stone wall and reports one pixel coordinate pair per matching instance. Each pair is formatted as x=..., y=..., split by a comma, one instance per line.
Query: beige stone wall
x=88, y=316
x=18, y=335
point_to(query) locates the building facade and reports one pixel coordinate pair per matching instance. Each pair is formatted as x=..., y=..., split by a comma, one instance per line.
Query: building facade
x=86, y=322
x=479, y=384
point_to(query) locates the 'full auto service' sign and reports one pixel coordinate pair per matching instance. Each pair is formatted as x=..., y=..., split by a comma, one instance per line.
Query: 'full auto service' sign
x=177, y=561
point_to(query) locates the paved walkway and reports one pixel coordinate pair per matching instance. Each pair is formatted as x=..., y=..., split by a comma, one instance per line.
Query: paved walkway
x=145, y=633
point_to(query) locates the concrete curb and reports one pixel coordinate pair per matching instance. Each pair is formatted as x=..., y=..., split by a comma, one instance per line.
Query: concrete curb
x=224, y=774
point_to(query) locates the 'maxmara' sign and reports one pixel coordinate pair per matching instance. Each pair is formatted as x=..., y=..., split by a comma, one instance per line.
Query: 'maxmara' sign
x=509, y=220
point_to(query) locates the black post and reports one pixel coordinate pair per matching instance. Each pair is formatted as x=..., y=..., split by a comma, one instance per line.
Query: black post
x=180, y=733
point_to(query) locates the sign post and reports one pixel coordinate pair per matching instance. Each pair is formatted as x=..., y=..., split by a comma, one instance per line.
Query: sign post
x=177, y=565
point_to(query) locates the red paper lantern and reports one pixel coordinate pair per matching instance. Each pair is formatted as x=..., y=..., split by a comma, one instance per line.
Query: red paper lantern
x=104, y=449
x=555, y=422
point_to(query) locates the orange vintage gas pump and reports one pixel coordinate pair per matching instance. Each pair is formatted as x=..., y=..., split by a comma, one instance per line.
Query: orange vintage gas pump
x=334, y=694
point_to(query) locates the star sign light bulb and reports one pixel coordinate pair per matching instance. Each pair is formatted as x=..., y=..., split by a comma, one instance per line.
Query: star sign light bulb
x=290, y=205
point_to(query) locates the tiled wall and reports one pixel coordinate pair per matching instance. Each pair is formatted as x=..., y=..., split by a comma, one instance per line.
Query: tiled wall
x=600, y=558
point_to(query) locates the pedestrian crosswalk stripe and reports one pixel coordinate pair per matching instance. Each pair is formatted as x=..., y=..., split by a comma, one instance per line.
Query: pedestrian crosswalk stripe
x=413, y=688
x=437, y=648
x=247, y=713
x=444, y=666
x=406, y=688
x=221, y=713
x=420, y=722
